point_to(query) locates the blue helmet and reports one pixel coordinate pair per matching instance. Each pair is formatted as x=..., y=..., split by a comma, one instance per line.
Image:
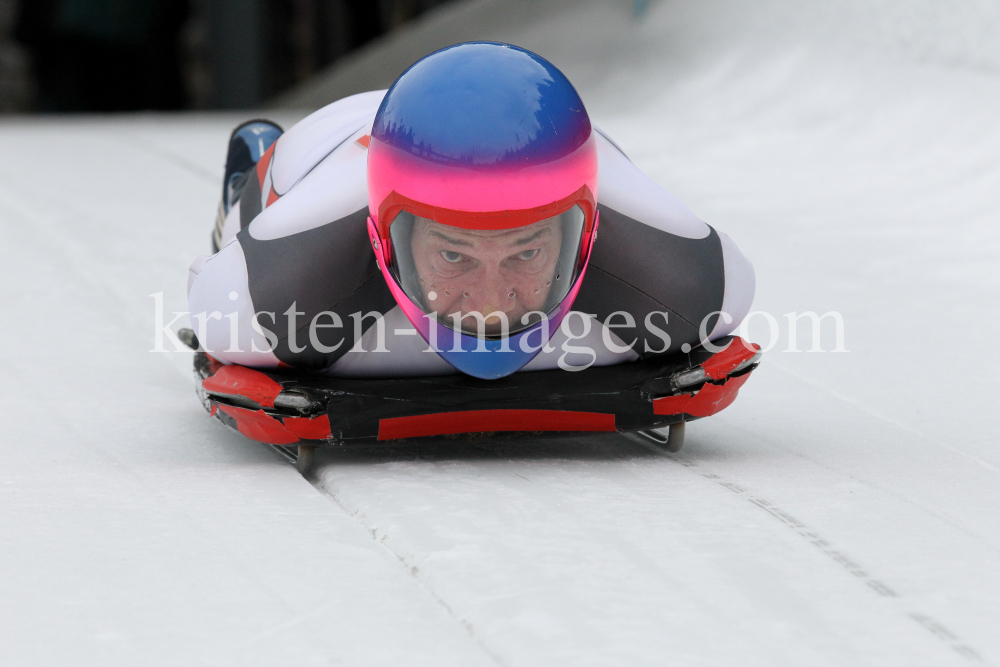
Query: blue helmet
x=482, y=181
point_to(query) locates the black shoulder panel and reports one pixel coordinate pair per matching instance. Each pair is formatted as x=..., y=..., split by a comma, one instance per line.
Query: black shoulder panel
x=250, y=200
x=329, y=268
x=639, y=269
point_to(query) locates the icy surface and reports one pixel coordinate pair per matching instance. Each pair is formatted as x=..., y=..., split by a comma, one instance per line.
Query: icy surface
x=845, y=511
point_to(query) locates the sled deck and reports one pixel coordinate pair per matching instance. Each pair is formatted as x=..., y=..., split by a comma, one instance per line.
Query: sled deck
x=303, y=409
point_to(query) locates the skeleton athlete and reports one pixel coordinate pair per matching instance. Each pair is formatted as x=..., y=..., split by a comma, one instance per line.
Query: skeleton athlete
x=450, y=224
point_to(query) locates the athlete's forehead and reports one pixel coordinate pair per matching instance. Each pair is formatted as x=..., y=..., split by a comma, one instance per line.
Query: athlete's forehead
x=429, y=228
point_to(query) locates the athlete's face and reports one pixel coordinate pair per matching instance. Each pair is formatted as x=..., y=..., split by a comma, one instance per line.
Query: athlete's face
x=473, y=271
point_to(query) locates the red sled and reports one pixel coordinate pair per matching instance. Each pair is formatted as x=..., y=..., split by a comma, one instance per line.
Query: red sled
x=304, y=410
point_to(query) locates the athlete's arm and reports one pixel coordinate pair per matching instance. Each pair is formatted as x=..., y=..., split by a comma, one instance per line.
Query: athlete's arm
x=300, y=249
x=657, y=262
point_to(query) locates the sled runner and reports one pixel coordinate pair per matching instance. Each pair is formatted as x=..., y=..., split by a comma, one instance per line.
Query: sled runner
x=305, y=410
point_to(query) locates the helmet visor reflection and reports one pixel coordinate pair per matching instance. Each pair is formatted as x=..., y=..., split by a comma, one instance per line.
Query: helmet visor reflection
x=488, y=283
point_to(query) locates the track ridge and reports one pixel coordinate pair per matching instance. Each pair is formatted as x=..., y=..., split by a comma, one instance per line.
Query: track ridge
x=411, y=569
x=848, y=564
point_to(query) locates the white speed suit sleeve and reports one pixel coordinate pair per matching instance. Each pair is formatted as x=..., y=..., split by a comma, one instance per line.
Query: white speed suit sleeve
x=658, y=266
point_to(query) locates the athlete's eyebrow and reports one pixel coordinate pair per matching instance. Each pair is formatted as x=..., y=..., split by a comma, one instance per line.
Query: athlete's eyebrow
x=450, y=240
x=534, y=236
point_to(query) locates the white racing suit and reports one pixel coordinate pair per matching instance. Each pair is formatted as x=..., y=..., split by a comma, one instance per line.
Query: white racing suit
x=295, y=244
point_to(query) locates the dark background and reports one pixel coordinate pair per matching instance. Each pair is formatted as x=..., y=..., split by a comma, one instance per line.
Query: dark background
x=130, y=55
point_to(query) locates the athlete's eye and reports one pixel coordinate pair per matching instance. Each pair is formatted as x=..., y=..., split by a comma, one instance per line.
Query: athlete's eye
x=451, y=256
x=528, y=254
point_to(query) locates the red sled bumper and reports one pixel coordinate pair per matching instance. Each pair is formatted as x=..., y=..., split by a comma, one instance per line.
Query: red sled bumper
x=298, y=408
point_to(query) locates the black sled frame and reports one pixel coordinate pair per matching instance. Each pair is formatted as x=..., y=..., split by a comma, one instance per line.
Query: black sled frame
x=625, y=398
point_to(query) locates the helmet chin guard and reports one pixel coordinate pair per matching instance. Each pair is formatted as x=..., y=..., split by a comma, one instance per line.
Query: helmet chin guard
x=482, y=183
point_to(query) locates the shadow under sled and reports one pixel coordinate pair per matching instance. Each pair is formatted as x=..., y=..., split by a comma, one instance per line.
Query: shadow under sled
x=305, y=410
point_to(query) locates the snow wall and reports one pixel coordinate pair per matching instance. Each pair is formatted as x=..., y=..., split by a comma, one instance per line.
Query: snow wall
x=596, y=39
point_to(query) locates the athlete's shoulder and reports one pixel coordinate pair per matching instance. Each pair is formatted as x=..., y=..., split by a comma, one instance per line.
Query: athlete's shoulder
x=317, y=170
x=312, y=139
x=624, y=188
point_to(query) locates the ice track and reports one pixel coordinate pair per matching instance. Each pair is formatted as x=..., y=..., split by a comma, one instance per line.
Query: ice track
x=845, y=511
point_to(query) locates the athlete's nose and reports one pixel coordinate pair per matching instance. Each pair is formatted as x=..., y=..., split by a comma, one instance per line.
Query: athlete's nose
x=491, y=293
